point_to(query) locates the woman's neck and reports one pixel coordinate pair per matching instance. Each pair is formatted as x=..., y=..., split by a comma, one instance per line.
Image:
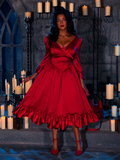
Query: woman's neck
x=63, y=33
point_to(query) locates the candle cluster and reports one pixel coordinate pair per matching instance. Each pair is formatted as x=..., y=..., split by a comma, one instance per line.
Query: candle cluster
x=47, y=7
x=98, y=5
x=9, y=118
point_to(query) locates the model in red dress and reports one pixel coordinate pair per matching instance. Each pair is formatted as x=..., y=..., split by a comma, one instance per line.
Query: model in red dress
x=57, y=96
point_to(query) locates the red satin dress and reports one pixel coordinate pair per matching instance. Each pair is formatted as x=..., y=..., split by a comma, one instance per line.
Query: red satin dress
x=56, y=96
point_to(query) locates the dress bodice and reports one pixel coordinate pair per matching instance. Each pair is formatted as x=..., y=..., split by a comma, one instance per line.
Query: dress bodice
x=63, y=57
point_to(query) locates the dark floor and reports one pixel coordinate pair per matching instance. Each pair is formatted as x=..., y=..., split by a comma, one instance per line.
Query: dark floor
x=23, y=152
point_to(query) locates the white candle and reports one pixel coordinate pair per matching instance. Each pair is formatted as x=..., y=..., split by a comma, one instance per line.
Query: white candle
x=109, y=91
x=10, y=109
x=112, y=125
x=27, y=14
x=28, y=85
x=13, y=85
x=71, y=7
x=18, y=90
x=3, y=122
x=85, y=10
x=0, y=123
x=47, y=7
x=55, y=3
x=10, y=123
x=15, y=82
x=114, y=110
x=117, y=50
x=107, y=11
x=98, y=3
x=26, y=122
x=118, y=87
x=63, y=4
x=2, y=110
x=39, y=7
x=8, y=92
x=6, y=86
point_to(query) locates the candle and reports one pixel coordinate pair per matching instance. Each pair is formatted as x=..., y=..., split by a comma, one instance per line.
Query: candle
x=27, y=14
x=8, y=92
x=47, y=7
x=63, y=4
x=98, y=3
x=10, y=109
x=3, y=126
x=18, y=90
x=55, y=3
x=6, y=86
x=71, y=7
x=107, y=11
x=117, y=50
x=39, y=7
x=2, y=110
x=10, y=123
x=85, y=10
x=109, y=91
x=0, y=123
x=114, y=110
x=118, y=87
x=15, y=82
x=26, y=122
x=13, y=85
x=112, y=125
x=28, y=85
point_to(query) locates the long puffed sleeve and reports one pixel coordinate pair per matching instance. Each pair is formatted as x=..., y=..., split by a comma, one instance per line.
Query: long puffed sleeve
x=46, y=57
x=76, y=62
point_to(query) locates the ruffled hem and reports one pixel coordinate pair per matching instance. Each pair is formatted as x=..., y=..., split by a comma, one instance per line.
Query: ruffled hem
x=55, y=121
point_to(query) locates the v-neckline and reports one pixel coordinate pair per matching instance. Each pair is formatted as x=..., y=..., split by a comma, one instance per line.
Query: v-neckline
x=66, y=45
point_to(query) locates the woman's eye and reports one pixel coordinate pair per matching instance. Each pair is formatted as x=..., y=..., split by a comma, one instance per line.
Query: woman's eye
x=64, y=19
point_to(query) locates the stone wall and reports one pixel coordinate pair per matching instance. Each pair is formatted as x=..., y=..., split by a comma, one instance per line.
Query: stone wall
x=109, y=37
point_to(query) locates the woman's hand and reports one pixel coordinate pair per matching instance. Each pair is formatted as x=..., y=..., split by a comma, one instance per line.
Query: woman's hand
x=84, y=88
x=29, y=78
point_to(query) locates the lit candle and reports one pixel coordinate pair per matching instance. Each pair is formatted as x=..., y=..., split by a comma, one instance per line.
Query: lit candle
x=10, y=123
x=6, y=86
x=114, y=110
x=18, y=90
x=28, y=85
x=47, y=7
x=0, y=123
x=55, y=3
x=112, y=125
x=15, y=82
x=85, y=10
x=98, y=3
x=2, y=110
x=27, y=14
x=109, y=91
x=71, y=7
x=107, y=11
x=117, y=50
x=13, y=85
x=8, y=92
x=63, y=4
x=10, y=109
x=3, y=126
x=39, y=7
x=26, y=122
x=118, y=87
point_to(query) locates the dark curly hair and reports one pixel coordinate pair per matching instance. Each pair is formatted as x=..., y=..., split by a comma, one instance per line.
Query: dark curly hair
x=54, y=31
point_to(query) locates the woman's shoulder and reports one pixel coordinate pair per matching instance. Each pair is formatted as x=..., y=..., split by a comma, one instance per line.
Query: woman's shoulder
x=79, y=38
x=46, y=39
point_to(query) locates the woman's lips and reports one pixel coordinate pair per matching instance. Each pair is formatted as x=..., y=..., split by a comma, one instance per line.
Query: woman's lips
x=62, y=26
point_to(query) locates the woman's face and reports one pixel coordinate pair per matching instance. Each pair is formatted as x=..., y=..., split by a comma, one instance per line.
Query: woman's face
x=61, y=22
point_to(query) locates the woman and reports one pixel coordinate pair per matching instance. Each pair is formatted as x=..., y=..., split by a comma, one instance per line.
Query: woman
x=58, y=94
